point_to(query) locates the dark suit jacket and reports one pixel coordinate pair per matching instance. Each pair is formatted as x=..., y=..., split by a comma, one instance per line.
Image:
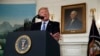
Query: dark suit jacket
x=52, y=26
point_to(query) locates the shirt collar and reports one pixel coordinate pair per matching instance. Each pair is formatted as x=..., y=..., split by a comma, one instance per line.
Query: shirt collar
x=46, y=22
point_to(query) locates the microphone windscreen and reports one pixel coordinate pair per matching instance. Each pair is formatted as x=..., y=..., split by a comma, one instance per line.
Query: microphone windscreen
x=40, y=17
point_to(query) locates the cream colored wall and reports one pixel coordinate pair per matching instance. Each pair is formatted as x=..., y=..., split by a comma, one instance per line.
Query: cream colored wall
x=55, y=8
x=72, y=44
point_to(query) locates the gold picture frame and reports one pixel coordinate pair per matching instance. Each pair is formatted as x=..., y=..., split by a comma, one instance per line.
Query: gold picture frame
x=79, y=25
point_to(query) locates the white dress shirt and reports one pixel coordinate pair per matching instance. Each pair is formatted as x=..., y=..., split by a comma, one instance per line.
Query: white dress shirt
x=46, y=22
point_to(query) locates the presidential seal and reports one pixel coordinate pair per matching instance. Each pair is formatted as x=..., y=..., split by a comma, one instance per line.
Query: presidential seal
x=23, y=44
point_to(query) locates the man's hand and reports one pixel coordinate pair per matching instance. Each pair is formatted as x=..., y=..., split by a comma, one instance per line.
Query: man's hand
x=56, y=36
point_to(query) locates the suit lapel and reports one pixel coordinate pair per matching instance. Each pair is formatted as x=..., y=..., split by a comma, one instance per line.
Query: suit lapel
x=49, y=25
x=39, y=26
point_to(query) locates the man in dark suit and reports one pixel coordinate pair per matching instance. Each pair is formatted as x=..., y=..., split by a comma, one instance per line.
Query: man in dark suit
x=47, y=25
x=51, y=27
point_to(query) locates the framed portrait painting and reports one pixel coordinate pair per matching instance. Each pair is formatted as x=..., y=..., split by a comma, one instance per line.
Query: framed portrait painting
x=73, y=18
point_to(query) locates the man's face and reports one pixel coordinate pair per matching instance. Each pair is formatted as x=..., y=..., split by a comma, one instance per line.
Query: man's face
x=45, y=14
x=73, y=15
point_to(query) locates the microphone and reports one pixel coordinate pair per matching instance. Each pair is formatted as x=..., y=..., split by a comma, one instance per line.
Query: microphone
x=40, y=17
x=37, y=16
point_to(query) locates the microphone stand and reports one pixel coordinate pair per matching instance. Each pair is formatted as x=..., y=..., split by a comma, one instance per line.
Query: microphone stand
x=33, y=20
x=37, y=16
